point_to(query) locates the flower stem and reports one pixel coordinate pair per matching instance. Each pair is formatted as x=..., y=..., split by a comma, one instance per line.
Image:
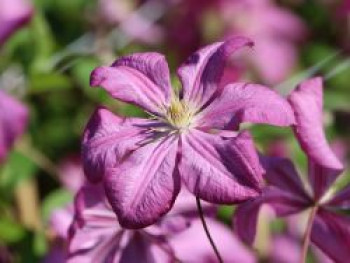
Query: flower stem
x=306, y=239
x=205, y=227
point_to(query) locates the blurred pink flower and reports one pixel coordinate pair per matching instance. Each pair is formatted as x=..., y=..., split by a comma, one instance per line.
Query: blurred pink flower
x=143, y=162
x=135, y=24
x=13, y=15
x=71, y=173
x=13, y=122
x=286, y=193
x=276, y=31
x=96, y=235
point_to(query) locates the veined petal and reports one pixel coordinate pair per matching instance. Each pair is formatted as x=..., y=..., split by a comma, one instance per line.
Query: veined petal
x=281, y=173
x=13, y=121
x=107, y=138
x=283, y=202
x=307, y=103
x=244, y=102
x=218, y=170
x=202, y=73
x=141, y=79
x=144, y=186
x=331, y=233
x=95, y=235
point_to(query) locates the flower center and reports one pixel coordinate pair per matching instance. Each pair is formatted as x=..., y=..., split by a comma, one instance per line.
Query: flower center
x=179, y=115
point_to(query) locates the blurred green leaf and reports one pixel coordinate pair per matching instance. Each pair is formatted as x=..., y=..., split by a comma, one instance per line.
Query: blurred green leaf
x=49, y=82
x=10, y=232
x=54, y=200
x=17, y=168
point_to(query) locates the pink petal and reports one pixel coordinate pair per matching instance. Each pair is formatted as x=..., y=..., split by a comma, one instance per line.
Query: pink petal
x=274, y=59
x=342, y=199
x=144, y=186
x=202, y=73
x=281, y=173
x=60, y=221
x=95, y=235
x=13, y=122
x=141, y=79
x=71, y=173
x=283, y=202
x=13, y=15
x=285, y=249
x=107, y=138
x=306, y=101
x=192, y=245
x=244, y=102
x=218, y=170
x=331, y=233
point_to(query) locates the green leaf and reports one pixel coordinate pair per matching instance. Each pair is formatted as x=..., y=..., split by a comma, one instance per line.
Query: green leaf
x=54, y=200
x=10, y=232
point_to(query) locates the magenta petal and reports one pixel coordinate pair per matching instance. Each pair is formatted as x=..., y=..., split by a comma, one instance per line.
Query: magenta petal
x=244, y=102
x=192, y=245
x=202, y=73
x=283, y=202
x=13, y=15
x=144, y=186
x=107, y=138
x=13, y=122
x=331, y=233
x=281, y=173
x=141, y=79
x=95, y=235
x=218, y=170
x=342, y=199
x=306, y=101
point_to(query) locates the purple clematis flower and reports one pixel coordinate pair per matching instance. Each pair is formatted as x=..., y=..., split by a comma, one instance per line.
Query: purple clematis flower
x=143, y=161
x=96, y=235
x=276, y=31
x=13, y=15
x=286, y=194
x=13, y=122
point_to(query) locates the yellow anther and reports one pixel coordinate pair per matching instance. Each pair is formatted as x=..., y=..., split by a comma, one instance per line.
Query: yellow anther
x=179, y=115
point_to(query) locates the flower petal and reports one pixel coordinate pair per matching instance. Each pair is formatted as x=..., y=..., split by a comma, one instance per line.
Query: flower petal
x=342, y=199
x=331, y=233
x=144, y=186
x=192, y=245
x=244, y=102
x=246, y=215
x=202, y=73
x=141, y=79
x=13, y=15
x=107, y=138
x=13, y=122
x=218, y=170
x=306, y=101
x=95, y=235
x=281, y=173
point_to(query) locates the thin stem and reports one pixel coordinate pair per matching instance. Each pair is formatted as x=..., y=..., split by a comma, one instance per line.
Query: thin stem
x=306, y=239
x=205, y=227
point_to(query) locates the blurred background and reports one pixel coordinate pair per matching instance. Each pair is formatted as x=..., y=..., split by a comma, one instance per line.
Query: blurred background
x=49, y=47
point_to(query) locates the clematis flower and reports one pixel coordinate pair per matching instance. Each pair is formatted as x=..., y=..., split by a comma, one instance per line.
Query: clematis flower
x=71, y=175
x=13, y=122
x=142, y=162
x=96, y=235
x=13, y=15
x=276, y=31
x=286, y=193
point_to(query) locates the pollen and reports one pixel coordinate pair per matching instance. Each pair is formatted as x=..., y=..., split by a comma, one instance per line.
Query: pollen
x=179, y=114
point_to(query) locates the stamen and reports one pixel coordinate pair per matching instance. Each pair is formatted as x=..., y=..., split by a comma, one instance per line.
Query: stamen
x=179, y=114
